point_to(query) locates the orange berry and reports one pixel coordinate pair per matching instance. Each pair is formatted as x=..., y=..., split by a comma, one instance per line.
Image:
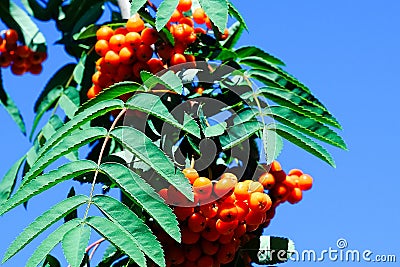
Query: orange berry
x=280, y=192
x=225, y=228
x=208, y=23
x=255, y=187
x=297, y=172
x=101, y=47
x=36, y=57
x=199, y=90
x=36, y=69
x=184, y=5
x=191, y=38
x=144, y=53
x=210, y=233
x=305, y=182
x=224, y=186
x=200, y=31
x=149, y=36
x=241, y=191
x=196, y=222
x=174, y=255
x=175, y=197
x=203, y=187
x=11, y=36
x=199, y=16
x=242, y=210
x=155, y=66
x=209, y=210
x=117, y=42
x=165, y=51
x=240, y=230
x=191, y=174
x=93, y=91
x=180, y=47
x=267, y=180
x=112, y=58
x=124, y=72
x=104, y=33
x=187, y=21
x=5, y=59
x=133, y=39
x=295, y=196
x=17, y=70
x=127, y=55
x=255, y=218
x=176, y=16
x=227, y=212
x=121, y=30
x=135, y=24
x=225, y=34
x=260, y=202
x=291, y=181
x=177, y=59
x=276, y=166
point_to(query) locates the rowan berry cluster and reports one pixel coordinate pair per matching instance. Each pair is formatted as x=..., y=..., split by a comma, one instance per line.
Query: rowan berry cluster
x=224, y=212
x=20, y=57
x=126, y=51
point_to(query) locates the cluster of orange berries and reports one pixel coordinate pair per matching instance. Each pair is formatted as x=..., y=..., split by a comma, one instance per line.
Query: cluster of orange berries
x=126, y=51
x=20, y=57
x=224, y=212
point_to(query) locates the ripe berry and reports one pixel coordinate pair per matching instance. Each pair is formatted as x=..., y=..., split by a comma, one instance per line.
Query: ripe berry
x=255, y=218
x=280, y=192
x=127, y=55
x=199, y=16
x=93, y=91
x=305, y=182
x=226, y=239
x=295, y=196
x=192, y=252
x=138, y=67
x=11, y=36
x=227, y=212
x=121, y=30
x=175, y=197
x=177, y=59
x=17, y=70
x=117, y=42
x=242, y=191
x=135, y=24
x=23, y=51
x=205, y=261
x=176, y=16
x=101, y=47
x=144, y=53
x=224, y=186
x=104, y=33
x=255, y=187
x=208, y=247
x=226, y=253
x=184, y=5
x=276, y=166
x=149, y=36
x=209, y=210
x=196, y=222
x=174, y=255
x=259, y=202
x=182, y=213
x=225, y=228
x=36, y=69
x=203, y=187
x=267, y=180
x=243, y=210
x=155, y=65
x=133, y=39
x=112, y=58
x=210, y=232
x=187, y=21
x=296, y=172
x=189, y=237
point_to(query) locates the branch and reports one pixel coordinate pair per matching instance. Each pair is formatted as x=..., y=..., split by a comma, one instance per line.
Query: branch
x=125, y=7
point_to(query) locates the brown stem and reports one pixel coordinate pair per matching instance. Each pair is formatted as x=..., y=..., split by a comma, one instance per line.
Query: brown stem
x=98, y=242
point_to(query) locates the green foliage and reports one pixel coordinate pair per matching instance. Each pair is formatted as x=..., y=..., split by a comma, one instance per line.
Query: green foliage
x=122, y=155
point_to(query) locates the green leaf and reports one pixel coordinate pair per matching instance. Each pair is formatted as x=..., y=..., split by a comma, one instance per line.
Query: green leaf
x=80, y=69
x=112, y=92
x=215, y=130
x=236, y=14
x=272, y=145
x=16, y=18
x=74, y=244
x=36, y=10
x=8, y=182
x=45, y=105
x=293, y=101
x=70, y=101
x=304, y=142
x=141, y=192
x=239, y=133
x=67, y=145
x=153, y=105
x=136, y=5
x=122, y=215
x=235, y=32
x=51, y=261
x=50, y=242
x=46, y=181
x=60, y=78
x=119, y=237
x=248, y=51
x=306, y=125
x=43, y=222
x=90, y=16
x=142, y=147
x=164, y=13
x=90, y=113
x=168, y=79
x=217, y=11
x=11, y=107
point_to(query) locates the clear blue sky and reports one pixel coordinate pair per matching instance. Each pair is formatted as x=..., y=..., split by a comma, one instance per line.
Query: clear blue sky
x=347, y=52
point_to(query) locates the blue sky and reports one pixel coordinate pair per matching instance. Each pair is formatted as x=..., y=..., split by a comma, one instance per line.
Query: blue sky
x=347, y=53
